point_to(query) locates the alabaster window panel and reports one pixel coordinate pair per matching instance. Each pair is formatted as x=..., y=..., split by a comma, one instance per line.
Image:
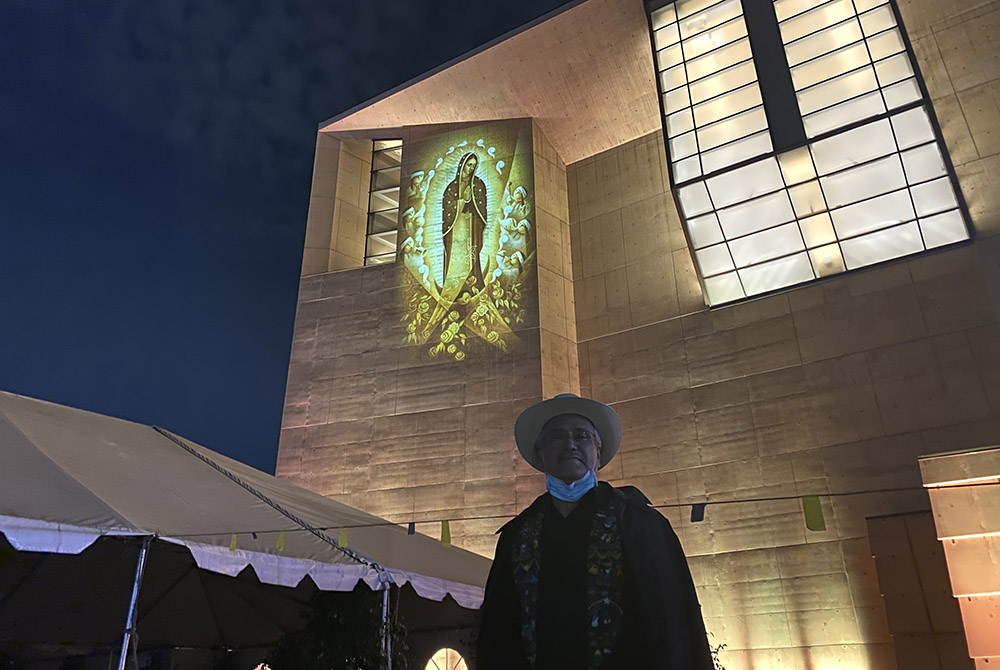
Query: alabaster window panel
x=867, y=181
x=446, y=659
x=383, y=202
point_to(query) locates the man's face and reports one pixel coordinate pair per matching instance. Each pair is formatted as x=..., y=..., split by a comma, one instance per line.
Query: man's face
x=568, y=447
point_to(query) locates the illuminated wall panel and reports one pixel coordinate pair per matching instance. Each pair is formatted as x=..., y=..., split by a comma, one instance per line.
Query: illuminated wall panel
x=468, y=230
x=870, y=180
x=964, y=488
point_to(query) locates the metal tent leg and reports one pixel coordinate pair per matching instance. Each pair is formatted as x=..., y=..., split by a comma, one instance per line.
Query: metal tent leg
x=386, y=630
x=140, y=568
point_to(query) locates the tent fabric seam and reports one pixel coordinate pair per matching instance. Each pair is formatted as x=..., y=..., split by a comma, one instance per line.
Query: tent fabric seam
x=121, y=517
x=350, y=553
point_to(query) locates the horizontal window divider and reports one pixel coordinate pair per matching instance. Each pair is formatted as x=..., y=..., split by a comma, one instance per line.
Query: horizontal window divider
x=798, y=220
x=898, y=224
x=861, y=164
x=729, y=168
x=870, y=63
x=733, y=141
x=716, y=48
x=758, y=232
x=838, y=24
x=879, y=195
x=882, y=32
x=727, y=118
x=900, y=81
x=700, y=11
x=896, y=152
x=819, y=110
x=832, y=26
x=838, y=208
x=718, y=72
x=817, y=57
x=865, y=121
x=807, y=10
x=732, y=90
x=708, y=29
x=685, y=62
x=675, y=88
x=715, y=123
x=688, y=59
x=753, y=265
x=684, y=157
x=842, y=48
x=664, y=28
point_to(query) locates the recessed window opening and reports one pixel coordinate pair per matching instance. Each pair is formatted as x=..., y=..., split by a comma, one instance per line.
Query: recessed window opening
x=383, y=202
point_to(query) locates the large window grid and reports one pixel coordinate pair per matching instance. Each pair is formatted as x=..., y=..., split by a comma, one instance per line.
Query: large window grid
x=383, y=202
x=872, y=184
x=714, y=111
x=848, y=61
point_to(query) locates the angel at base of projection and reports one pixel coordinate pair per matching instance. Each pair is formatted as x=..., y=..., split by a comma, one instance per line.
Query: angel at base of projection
x=468, y=240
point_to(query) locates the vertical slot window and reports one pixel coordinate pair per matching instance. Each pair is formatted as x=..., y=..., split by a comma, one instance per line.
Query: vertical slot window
x=383, y=202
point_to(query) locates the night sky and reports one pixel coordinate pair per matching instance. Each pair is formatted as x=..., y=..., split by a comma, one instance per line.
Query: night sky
x=155, y=162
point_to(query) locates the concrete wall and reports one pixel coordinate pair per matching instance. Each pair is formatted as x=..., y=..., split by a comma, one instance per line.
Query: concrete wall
x=338, y=205
x=924, y=617
x=376, y=424
x=964, y=487
x=836, y=386
x=556, y=303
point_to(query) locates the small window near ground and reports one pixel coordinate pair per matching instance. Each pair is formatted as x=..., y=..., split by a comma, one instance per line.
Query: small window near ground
x=446, y=659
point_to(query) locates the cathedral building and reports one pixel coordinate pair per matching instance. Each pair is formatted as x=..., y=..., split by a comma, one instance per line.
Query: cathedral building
x=766, y=233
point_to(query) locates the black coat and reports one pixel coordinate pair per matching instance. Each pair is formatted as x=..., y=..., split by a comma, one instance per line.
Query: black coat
x=665, y=620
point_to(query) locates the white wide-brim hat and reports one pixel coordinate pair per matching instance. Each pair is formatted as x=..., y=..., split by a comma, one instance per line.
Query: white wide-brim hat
x=531, y=421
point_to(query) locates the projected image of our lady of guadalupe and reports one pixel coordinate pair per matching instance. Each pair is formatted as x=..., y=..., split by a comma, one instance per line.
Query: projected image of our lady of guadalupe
x=468, y=248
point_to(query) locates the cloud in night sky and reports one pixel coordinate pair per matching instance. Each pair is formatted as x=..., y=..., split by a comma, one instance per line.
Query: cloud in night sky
x=154, y=180
x=246, y=83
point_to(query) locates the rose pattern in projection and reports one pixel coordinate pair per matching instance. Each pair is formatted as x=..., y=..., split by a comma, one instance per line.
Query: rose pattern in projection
x=468, y=246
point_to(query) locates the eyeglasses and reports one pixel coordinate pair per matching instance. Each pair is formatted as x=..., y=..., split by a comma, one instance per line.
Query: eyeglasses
x=581, y=437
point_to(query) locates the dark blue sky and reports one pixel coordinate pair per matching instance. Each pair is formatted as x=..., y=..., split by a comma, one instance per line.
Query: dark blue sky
x=155, y=160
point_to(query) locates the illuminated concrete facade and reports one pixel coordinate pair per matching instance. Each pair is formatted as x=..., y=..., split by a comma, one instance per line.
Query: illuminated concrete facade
x=833, y=386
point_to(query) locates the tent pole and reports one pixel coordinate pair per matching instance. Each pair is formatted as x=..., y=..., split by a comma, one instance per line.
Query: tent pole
x=140, y=568
x=386, y=632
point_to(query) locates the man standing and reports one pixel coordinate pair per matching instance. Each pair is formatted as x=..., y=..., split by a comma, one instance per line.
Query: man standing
x=589, y=575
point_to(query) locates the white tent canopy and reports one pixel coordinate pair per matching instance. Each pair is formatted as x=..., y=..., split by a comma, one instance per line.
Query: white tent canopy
x=68, y=477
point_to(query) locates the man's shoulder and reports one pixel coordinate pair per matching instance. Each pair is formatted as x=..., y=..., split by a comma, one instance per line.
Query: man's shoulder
x=626, y=495
x=634, y=504
x=527, y=512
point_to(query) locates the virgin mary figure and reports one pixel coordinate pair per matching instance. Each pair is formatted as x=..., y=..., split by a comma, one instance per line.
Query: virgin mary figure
x=463, y=221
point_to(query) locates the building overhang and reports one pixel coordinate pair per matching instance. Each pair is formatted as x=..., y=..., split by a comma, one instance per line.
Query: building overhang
x=584, y=73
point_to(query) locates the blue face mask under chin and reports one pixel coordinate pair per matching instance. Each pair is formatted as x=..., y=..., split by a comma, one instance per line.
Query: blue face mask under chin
x=570, y=492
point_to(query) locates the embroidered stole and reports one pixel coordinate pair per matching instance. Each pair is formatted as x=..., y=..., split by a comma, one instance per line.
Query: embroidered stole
x=604, y=583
